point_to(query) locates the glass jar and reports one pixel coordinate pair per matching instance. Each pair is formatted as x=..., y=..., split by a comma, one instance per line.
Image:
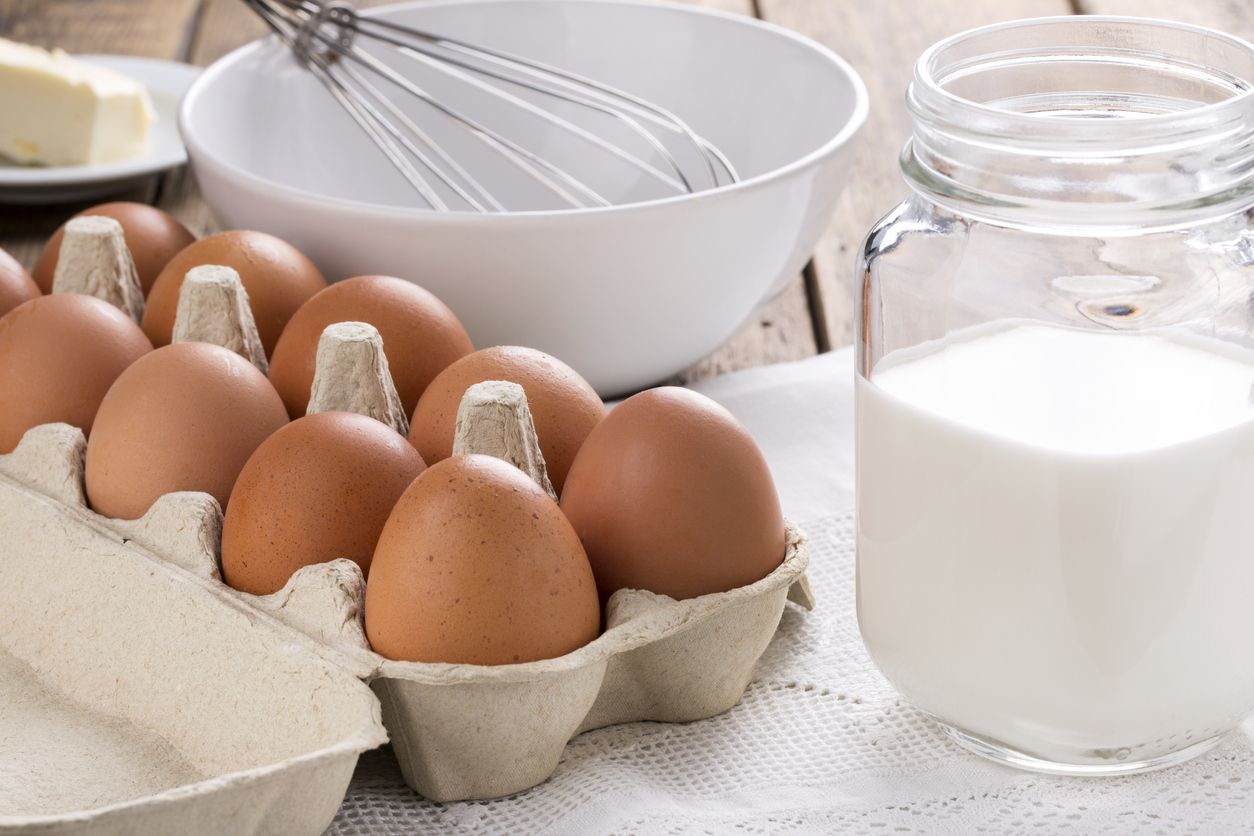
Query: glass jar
x=1055, y=477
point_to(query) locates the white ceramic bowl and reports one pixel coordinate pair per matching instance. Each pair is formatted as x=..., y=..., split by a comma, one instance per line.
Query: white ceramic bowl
x=627, y=295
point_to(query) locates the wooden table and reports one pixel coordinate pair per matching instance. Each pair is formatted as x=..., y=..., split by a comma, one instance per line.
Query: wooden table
x=881, y=38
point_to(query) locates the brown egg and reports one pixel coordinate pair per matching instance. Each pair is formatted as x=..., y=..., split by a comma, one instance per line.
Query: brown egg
x=16, y=285
x=671, y=494
x=58, y=357
x=182, y=418
x=477, y=565
x=564, y=406
x=421, y=336
x=152, y=236
x=278, y=278
x=318, y=489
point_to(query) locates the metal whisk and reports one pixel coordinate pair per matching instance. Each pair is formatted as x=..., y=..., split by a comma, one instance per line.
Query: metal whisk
x=327, y=39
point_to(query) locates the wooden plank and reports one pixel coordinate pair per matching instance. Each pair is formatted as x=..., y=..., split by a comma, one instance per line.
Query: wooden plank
x=225, y=25
x=156, y=28
x=881, y=40
x=783, y=331
x=1236, y=17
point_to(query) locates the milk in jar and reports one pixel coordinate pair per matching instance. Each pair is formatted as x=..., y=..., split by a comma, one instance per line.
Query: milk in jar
x=1056, y=538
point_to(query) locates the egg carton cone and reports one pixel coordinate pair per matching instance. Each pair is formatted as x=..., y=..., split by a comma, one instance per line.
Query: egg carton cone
x=94, y=261
x=459, y=731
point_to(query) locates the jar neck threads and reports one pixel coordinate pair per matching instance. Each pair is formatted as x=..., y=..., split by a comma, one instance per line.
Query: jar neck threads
x=1085, y=121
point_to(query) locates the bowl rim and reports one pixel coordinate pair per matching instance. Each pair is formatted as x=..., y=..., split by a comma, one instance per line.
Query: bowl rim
x=198, y=152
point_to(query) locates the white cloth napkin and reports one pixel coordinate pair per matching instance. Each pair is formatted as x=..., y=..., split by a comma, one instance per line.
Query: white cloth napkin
x=820, y=743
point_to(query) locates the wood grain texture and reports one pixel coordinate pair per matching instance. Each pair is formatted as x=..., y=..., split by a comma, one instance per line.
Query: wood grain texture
x=155, y=28
x=1236, y=17
x=881, y=40
x=783, y=331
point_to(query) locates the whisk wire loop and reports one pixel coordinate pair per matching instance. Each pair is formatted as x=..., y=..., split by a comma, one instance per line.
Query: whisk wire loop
x=326, y=36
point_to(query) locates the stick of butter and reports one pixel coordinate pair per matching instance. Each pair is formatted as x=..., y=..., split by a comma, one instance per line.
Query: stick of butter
x=58, y=111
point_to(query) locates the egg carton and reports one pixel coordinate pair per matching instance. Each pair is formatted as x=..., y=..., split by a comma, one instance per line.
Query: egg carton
x=136, y=698
x=459, y=731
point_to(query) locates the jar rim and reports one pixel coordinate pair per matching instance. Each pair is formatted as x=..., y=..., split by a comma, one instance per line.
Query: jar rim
x=930, y=99
x=1105, y=121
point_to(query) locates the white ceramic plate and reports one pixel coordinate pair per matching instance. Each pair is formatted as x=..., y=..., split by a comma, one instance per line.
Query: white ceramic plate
x=166, y=81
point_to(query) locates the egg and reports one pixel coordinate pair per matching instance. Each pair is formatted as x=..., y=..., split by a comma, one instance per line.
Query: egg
x=58, y=357
x=152, y=236
x=671, y=494
x=421, y=336
x=16, y=285
x=185, y=417
x=565, y=408
x=318, y=489
x=278, y=278
x=477, y=565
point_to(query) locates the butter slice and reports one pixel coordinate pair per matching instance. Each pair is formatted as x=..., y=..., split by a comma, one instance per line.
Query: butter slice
x=58, y=111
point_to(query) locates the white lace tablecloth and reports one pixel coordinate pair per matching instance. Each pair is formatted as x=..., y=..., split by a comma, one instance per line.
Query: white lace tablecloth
x=820, y=743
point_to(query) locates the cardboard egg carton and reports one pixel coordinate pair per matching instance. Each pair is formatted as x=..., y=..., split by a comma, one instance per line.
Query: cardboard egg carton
x=136, y=697
x=459, y=731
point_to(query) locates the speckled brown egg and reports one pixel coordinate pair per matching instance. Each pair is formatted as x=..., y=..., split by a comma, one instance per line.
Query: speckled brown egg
x=185, y=417
x=16, y=285
x=152, y=236
x=421, y=336
x=565, y=408
x=278, y=278
x=58, y=357
x=320, y=488
x=477, y=565
x=671, y=494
